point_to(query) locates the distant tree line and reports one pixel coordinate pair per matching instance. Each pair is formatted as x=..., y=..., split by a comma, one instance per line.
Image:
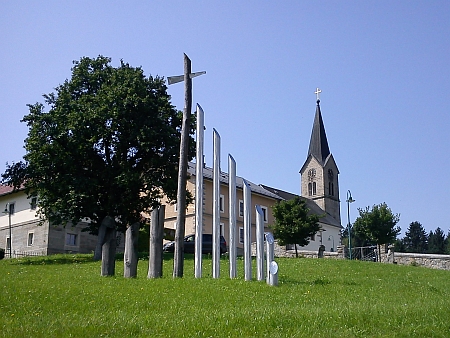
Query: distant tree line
x=416, y=239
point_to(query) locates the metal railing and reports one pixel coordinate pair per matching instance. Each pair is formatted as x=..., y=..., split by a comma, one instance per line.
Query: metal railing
x=18, y=254
x=364, y=253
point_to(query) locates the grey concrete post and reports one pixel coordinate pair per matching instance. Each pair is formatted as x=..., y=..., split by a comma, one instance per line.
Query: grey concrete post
x=216, y=206
x=232, y=215
x=199, y=193
x=259, y=243
x=247, y=231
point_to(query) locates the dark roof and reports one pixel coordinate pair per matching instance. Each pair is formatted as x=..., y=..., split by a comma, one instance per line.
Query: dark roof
x=208, y=174
x=318, y=145
x=312, y=206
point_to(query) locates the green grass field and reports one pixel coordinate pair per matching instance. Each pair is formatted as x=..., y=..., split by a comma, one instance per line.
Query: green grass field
x=64, y=296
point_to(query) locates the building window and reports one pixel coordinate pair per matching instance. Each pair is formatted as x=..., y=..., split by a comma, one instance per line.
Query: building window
x=265, y=213
x=241, y=235
x=12, y=208
x=30, y=240
x=312, y=189
x=222, y=203
x=33, y=203
x=313, y=237
x=8, y=243
x=222, y=229
x=241, y=208
x=71, y=239
x=331, y=188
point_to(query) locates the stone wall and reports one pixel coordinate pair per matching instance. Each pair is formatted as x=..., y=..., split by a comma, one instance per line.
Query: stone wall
x=441, y=262
x=281, y=251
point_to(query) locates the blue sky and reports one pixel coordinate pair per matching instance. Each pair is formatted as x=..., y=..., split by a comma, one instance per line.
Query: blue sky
x=382, y=66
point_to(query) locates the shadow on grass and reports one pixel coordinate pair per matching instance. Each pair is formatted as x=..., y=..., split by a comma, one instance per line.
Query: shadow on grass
x=83, y=258
x=320, y=281
x=54, y=259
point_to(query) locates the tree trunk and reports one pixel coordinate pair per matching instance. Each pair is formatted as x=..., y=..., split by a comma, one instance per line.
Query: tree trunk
x=156, y=243
x=130, y=256
x=296, y=252
x=108, y=246
x=100, y=242
x=178, y=256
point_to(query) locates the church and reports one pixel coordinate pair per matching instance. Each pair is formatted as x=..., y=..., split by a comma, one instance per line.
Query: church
x=319, y=187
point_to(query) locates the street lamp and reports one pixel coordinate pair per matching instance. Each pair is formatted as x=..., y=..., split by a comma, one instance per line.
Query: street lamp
x=331, y=236
x=349, y=200
x=8, y=211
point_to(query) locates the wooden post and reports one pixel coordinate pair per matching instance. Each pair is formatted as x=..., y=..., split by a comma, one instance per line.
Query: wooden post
x=109, y=247
x=182, y=173
x=130, y=256
x=156, y=243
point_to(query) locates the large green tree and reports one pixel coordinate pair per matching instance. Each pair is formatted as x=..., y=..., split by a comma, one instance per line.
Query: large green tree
x=293, y=223
x=436, y=242
x=105, y=146
x=416, y=239
x=378, y=224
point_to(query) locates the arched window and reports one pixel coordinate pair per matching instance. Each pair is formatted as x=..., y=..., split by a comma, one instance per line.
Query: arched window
x=310, y=189
x=314, y=188
x=331, y=188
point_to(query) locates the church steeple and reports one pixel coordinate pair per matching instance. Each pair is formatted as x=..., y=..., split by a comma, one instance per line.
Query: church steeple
x=318, y=145
x=319, y=173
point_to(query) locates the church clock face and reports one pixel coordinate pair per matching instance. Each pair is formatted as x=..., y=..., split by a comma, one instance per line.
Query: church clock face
x=311, y=173
x=330, y=174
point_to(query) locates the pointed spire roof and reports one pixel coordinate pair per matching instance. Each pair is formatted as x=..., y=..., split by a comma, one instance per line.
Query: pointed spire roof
x=318, y=145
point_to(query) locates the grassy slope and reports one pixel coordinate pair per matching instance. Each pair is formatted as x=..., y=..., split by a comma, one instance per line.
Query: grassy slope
x=64, y=296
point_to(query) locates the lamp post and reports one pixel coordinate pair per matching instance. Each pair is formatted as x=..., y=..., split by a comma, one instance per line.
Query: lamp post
x=349, y=200
x=8, y=211
x=331, y=236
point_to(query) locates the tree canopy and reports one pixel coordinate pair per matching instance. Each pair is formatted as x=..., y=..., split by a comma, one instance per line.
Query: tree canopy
x=107, y=146
x=293, y=223
x=436, y=242
x=416, y=239
x=377, y=224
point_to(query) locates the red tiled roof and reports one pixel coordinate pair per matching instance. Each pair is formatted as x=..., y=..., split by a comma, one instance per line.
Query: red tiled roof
x=7, y=189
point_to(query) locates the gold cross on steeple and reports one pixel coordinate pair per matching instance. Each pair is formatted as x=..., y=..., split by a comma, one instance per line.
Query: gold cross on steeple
x=317, y=92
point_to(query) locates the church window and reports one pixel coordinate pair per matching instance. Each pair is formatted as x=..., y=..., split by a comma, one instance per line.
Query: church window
x=312, y=189
x=331, y=188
